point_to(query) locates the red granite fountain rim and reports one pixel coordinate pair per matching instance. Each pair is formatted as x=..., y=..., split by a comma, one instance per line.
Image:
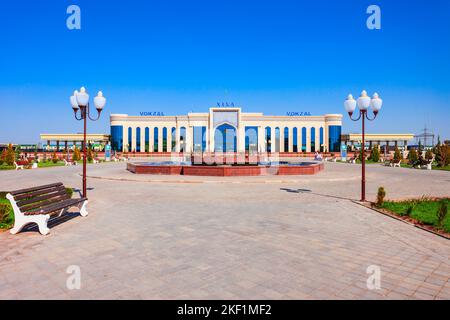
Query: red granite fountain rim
x=225, y=170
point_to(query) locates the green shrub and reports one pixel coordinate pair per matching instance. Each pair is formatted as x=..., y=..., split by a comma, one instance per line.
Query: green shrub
x=69, y=192
x=413, y=157
x=380, y=196
x=55, y=157
x=397, y=155
x=10, y=155
x=3, y=157
x=443, y=155
x=375, y=155
x=429, y=155
x=76, y=154
x=442, y=213
x=89, y=155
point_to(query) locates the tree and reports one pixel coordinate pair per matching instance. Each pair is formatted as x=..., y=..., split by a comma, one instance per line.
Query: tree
x=397, y=155
x=54, y=157
x=3, y=157
x=413, y=156
x=76, y=154
x=375, y=155
x=89, y=155
x=443, y=155
x=10, y=155
x=429, y=155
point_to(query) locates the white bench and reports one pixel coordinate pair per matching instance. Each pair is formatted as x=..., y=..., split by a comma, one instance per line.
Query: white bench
x=38, y=204
x=18, y=167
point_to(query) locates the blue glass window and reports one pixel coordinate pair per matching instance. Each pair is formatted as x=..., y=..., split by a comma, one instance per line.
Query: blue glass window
x=182, y=139
x=334, y=138
x=251, y=139
x=225, y=138
x=313, y=139
x=303, y=139
x=174, y=138
x=321, y=139
x=286, y=139
x=268, y=139
x=199, y=143
x=277, y=139
x=164, y=142
x=117, y=138
x=130, y=138
x=138, y=139
x=155, y=139
x=147, y=140
x=294, y=140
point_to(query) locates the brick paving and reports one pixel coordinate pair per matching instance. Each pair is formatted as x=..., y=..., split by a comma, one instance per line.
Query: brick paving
x=151, y=237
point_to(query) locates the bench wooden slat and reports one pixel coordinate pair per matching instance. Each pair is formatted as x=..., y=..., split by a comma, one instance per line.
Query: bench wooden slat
x=38, y=193
x=28, y=190
x=55, y=207
x=41, y=198
x=34, y=206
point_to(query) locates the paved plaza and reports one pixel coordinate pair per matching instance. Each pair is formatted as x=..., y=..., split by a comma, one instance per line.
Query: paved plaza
x=180, y=237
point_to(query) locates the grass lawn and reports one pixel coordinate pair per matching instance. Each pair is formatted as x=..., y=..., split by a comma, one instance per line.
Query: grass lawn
x=48, y=164
x=6, y=167
x=423, y=210
x=446, y=168
x=6, y=218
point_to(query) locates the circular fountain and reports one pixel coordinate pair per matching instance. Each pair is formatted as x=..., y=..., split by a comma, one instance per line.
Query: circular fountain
x=225, y=167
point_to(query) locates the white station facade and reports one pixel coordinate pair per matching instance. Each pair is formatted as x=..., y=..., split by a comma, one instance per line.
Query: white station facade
x=226, y=129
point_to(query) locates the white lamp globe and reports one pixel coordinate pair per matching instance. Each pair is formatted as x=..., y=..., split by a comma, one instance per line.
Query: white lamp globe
x=376, y=103
x=82, y=97
x=73, y=100
x=99, y=101
x=350, y=104
x=363, y=101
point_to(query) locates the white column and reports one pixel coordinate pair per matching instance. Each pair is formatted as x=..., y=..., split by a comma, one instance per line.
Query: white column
x=160, y=140
x=272, y=139
x=150, y=139
x=177, y=139
x=169, y=139
x=143, y=139
x=241, y=139
x=133, y=140
x=261, y=141
x=282, y=139
x=318, y=139
x=210, y=135
x=125, y=140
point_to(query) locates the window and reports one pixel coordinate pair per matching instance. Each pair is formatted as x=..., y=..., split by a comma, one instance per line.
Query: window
x=155, y=139
x=164, y=142
x=321, y=140
x=174, y=138
x=286, y=139
x=182, y=139
x=225, y=138
x=294, y=140
x=117, y=138
x=277, y=139
x=138, y=139
x=334, y=138
x=199, y=141
x=313, y=139
x=303, y=139
x=130, y=136
x=268, y=139
x=251, y=139
x=147, y=140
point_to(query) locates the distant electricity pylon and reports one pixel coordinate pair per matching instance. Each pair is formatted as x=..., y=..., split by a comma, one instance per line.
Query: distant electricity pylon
x=425, y=136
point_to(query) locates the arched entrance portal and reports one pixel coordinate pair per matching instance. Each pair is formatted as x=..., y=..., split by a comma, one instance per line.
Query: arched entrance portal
x=225, y=138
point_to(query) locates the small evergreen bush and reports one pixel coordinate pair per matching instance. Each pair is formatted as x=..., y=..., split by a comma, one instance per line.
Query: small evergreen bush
x=380, y=196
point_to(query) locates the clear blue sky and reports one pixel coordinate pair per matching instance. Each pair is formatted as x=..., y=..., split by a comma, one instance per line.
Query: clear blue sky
x=181, y=56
